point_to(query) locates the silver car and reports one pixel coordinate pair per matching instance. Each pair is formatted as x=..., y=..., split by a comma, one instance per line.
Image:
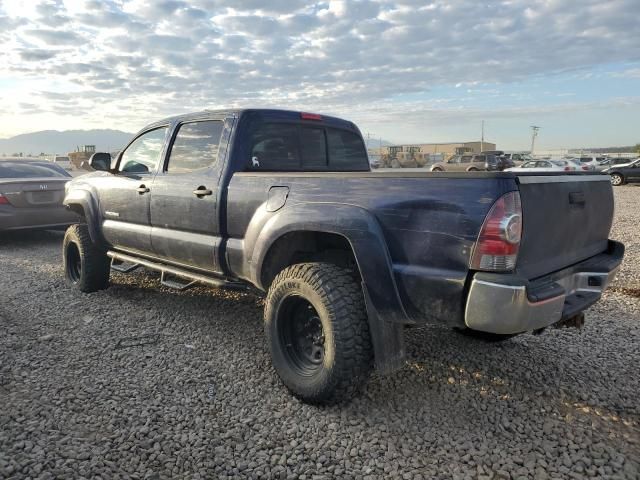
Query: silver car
x=546, y=166
x=31, y=194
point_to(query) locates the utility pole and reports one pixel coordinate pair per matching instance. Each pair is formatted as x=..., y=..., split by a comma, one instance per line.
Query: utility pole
x=534, y=134
x=482, y=138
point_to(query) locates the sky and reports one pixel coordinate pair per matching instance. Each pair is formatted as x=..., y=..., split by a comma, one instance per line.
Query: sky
x=406, y=71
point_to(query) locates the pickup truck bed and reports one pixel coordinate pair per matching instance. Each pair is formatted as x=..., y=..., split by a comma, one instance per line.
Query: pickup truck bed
x=289, y=206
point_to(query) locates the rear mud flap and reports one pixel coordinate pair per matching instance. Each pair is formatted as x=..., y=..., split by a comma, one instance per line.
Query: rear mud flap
x=387, y=339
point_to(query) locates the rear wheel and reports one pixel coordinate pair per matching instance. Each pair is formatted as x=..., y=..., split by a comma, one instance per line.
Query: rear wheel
x=436, y=169
x=473, y=169
x=318, y=334
x=617, y=179
x=86, y=266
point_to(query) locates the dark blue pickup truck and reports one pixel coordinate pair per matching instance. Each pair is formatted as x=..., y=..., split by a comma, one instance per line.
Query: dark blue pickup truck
x=285, y=202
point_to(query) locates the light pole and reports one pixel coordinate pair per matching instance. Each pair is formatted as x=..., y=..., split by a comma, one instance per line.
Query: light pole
x=534, y=134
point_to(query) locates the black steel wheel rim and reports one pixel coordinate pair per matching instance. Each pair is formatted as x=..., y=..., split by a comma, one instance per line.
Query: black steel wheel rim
x=74, y=263
x=301, y=335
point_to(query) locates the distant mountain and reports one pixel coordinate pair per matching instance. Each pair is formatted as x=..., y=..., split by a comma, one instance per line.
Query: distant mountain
x=54, y=141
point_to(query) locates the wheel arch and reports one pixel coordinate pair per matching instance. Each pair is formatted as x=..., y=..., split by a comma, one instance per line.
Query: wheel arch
x=357, y=238
x=620, y=174
x=82, y=203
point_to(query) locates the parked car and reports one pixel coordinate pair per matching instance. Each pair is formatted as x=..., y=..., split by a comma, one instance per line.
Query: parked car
x=545, y=166
x=285, y=202
x=624, y=173
x=591, y=162
x=581, y=167
x=469, y=163
x=502, y=162
x=63, y=162
x=610, y=162
x=518, y=158
x=31, y=194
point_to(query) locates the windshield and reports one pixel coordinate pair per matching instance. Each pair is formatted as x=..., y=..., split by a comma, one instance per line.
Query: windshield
x=31, y=170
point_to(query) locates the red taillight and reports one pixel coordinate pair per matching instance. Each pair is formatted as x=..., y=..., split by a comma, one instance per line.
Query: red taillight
x=3, y=200
x=310, y=116
x=499, y=239
x=567, y=169
x=584, y=167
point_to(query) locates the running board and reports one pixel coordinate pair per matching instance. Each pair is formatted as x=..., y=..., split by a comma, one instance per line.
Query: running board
x=164, y=269
x=122, y=267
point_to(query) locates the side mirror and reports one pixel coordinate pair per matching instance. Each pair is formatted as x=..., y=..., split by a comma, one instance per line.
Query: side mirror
x=100, y=161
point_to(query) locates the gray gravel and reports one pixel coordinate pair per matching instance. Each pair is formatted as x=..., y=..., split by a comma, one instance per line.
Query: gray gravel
x=143, y=382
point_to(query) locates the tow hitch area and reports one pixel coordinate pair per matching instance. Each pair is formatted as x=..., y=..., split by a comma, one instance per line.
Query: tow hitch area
x=577, y=321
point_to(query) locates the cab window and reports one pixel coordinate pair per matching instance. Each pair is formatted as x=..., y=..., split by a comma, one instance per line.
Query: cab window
x=295, y=147
x=195, y=146
x=346, y=151
x=143, y=155
x=275, y=147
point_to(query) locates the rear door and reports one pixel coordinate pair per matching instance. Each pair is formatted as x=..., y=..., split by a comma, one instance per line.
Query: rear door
x=184, y=211
x=455, y=164
x=124, y=195
x=566, y=219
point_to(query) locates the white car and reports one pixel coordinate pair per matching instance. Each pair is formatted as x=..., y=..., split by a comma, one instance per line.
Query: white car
x=518, y=158
x=545, y=166
x=62, y=161
x=591, y=162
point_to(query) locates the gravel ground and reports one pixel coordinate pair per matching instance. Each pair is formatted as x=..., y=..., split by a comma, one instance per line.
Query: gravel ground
x=142, y=382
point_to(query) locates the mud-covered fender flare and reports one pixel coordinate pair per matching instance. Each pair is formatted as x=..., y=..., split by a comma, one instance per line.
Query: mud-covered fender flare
x=82, y=202
x=363, y=232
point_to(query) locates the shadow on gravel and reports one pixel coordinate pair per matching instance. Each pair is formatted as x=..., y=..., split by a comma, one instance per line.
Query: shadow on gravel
x=30, y=238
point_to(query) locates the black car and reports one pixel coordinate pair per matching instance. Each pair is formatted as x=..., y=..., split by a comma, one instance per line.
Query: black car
x=497, y=160
x=624, y=173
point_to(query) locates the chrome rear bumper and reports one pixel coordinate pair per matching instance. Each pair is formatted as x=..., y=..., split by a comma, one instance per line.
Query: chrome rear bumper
x=506, y=307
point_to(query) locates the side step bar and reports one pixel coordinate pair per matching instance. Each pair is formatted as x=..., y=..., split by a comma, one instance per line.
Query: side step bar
x=135, y=262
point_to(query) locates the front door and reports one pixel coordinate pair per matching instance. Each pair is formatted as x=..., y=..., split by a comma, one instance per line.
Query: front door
x=632, y=172
x=184, y=217
x=124, y=195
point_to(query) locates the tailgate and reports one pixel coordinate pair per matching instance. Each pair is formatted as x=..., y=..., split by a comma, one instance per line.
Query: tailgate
x=566, y=219
x=37, y=192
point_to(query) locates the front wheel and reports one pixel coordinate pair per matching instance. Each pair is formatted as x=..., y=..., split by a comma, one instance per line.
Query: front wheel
x=616, y=179
x=86, y=266
x=317, y=331
x=437, y=169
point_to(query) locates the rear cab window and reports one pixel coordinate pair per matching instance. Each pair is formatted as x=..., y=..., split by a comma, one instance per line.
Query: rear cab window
x=280, y=146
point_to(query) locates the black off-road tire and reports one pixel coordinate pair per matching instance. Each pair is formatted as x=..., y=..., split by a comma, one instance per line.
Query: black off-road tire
x=86, y=266
x=335, y=295
x=486, y=336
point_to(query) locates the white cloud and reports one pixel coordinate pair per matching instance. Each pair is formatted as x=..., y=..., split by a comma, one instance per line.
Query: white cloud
x=136, y=60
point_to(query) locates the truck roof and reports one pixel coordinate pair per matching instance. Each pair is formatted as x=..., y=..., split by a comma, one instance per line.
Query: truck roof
x=265, y=113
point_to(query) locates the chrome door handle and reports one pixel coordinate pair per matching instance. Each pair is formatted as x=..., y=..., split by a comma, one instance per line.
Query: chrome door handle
x=142, y=189
x=201, y=191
